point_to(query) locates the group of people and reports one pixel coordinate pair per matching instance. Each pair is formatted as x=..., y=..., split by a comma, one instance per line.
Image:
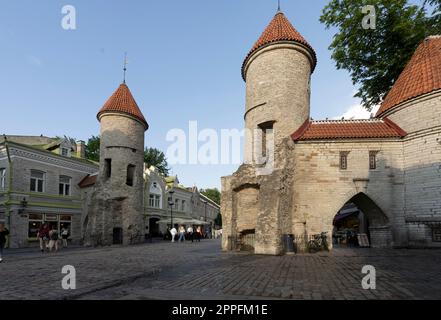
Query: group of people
x=49, y=237
x=190, y=233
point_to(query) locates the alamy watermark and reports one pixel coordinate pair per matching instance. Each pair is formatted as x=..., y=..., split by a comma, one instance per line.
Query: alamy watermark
x=69, y=20
x=69, y=281
x=369, y=21
x=369, y=282
x=214, y=147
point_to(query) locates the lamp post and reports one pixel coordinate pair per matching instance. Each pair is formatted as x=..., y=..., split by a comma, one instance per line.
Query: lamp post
x=205, y=227
x=170, y=203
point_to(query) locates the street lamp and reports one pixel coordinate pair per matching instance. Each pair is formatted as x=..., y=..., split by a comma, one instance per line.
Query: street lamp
x=171, y=203
x=205, y=202
x=205, y=227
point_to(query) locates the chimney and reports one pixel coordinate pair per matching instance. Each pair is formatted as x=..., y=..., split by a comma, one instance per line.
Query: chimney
x=81, y=149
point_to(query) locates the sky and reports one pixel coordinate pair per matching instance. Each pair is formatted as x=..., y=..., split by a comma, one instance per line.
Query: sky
x=184, y=63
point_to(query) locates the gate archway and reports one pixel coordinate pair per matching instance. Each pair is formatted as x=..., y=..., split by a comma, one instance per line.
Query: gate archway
x=361, y=218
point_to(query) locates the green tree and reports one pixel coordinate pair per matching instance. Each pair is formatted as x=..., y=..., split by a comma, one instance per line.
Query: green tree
x=375, y=58
x=93, y=148
x=212, y=194
x=218, y=220
x=155, y=157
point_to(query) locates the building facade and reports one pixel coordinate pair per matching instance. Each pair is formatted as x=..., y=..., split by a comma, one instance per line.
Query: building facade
x=190, y=207
x=115, y=201
x=300, y=173
x=39, y=179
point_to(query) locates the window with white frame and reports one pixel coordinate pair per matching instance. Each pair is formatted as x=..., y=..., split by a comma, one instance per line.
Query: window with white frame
x=155, y=200
x=2, y=178
x=37, y=181
x=155, y=196
x=64, y=186
x=65, y=152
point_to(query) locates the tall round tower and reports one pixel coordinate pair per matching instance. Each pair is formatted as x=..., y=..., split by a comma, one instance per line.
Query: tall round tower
x=277, y=72
x=120, y=179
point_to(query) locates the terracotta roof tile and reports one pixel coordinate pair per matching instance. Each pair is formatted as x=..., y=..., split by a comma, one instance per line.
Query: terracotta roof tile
x=421, y=75
x=279, y=29
x=122, y=101
x=88, y=181
x=348, y=129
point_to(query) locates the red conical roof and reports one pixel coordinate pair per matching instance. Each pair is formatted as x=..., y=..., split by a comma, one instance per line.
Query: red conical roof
x=422, y=75
x=122, y=101
x=279, y=29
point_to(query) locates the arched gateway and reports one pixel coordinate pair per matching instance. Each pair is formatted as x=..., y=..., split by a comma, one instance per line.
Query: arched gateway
x=361, y=217
x=378, y=176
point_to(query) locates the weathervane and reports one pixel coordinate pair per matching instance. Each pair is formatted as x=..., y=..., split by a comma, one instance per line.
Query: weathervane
x=125, y=67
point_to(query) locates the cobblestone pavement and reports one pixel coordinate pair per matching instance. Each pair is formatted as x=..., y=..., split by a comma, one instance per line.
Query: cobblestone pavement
x=201, y=271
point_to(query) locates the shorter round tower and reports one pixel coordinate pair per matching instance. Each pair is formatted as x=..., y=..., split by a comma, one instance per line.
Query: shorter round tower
x=277, y=72
x=120, y=180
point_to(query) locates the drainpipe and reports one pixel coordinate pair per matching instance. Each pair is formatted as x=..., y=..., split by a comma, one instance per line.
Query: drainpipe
x=8, y=194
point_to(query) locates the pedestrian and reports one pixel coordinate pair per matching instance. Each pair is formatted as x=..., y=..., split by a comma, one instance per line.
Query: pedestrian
x=53, y=242
x=173, y=233
x=3, y=234
x=190, y=233
x=64, y=236
x=181, y=234
x=43, y=236
x=198, y=233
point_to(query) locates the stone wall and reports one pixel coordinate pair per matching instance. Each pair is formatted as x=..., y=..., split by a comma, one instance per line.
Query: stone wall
x=115, y=204
x=322, y=188
x=277, y=89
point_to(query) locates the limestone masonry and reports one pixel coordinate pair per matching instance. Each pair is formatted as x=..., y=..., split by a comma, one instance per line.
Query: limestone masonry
x=300, y=173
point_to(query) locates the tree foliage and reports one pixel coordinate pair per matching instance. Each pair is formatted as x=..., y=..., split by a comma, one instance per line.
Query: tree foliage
x=155, y=157
x=93, y=148
x=212, y=194
x=375, y=58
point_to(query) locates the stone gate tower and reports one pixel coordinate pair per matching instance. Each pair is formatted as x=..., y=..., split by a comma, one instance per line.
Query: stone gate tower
x=116, y=214
x=257, y=198
x=277, y=72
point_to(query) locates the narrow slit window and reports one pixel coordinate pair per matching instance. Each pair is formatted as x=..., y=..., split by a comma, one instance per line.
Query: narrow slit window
x=372, y=160
x=267, y=128
x=130, y=175
x=108, y=167
x=343, y=160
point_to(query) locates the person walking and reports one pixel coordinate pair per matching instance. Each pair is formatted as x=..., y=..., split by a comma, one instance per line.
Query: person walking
x=43, y=236
x=173, y=233
x=181, y=234
x=53, y=242
x=64, y=236
x=190, y=233
x=198, y=233
x=3, y=234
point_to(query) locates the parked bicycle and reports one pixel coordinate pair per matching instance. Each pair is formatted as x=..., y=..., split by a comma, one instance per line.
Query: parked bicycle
x=319, y=242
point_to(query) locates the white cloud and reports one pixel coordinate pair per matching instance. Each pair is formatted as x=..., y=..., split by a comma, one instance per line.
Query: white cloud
x=357, y=112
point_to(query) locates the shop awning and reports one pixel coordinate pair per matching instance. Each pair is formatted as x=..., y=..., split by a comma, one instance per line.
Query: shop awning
x=188, y=221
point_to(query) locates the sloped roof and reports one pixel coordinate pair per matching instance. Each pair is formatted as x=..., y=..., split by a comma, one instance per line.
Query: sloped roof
x=122, y=101
x=421, y=75
x=88, y=181
x=348, y=129
x=279, y=29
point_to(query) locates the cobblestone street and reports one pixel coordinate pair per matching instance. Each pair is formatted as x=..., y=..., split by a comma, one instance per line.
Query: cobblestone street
x=164, y=270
